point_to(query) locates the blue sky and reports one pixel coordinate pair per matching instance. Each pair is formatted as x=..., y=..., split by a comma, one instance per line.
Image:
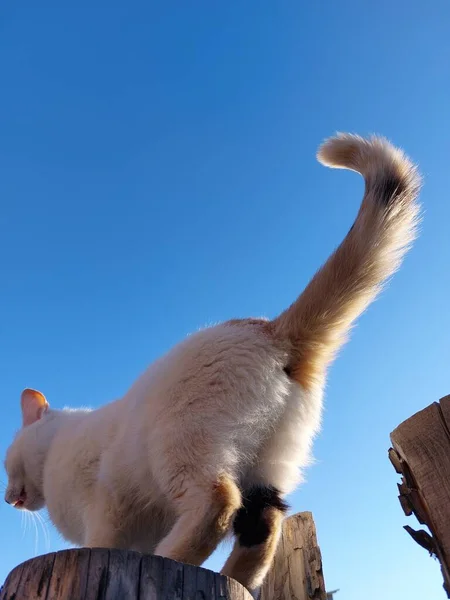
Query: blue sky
x=158, y=173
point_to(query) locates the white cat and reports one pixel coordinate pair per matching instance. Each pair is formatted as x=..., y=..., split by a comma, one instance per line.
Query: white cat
x=214, y=434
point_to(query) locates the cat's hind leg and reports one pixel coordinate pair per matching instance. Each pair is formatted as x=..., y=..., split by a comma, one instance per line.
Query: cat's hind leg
x=205, y=510
x=257, y=527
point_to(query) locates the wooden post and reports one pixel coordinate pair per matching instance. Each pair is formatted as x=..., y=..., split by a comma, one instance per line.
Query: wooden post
x=297, y=570
x=101, y=574
x=421, y=455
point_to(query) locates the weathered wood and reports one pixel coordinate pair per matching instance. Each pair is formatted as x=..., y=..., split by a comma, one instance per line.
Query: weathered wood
x=444, y=405
x=125, y=568
x=297, y=570
x=12, y=583
x=102, y=574
x=150, y=581
x=30, y=575
x=61, y=586
x=97, y=574
x=421, y=454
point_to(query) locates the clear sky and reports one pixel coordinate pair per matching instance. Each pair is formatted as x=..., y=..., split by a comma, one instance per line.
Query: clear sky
x=158, y=173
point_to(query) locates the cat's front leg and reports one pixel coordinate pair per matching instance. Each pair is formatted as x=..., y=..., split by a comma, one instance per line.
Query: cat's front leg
x=103, y=527
x=103, y=537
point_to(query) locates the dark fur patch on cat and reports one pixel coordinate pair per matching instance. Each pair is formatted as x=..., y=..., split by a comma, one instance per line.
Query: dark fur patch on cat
x=253, y=521
x=388, y=186
x=288, y=370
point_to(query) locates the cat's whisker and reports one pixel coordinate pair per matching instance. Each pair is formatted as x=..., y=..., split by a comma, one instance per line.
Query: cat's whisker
x=46, y=517
x=36, y=538
x=45, y=531
x=22, y=524
x=26, y=515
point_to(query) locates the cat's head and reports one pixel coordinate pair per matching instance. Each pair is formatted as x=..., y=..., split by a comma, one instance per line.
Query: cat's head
x=26, y=455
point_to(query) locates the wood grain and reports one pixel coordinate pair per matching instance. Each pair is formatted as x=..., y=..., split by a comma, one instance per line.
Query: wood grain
x=68, y=574
x=123, y=575
x=151, y=581
x=297, y=570
x=444, y=404
x=97, y=577
x=35, y=578
x=107, y=574
x=422, y=447
x=12, y=583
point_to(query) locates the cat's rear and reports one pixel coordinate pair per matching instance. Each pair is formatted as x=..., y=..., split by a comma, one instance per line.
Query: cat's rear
x=247, y=399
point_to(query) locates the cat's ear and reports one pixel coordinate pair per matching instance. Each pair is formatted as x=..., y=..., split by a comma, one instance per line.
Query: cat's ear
x=34, y=405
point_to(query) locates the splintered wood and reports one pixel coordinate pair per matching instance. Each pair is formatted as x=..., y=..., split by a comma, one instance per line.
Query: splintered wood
x=421, y=455
x=297, y=570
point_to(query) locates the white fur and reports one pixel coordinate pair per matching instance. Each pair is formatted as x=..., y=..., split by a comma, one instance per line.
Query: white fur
x=224, y=386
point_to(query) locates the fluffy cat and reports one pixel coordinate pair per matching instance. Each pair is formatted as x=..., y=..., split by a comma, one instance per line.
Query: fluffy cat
x=213, y=435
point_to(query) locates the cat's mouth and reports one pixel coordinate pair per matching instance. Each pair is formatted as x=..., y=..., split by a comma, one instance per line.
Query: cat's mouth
x=20, y=502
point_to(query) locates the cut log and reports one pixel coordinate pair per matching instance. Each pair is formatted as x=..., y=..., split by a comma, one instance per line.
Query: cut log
x=102, y=574
x=297, y=570
x=421, y=454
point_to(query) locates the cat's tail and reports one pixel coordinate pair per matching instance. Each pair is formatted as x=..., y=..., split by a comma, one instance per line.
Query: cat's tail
x=317, y=324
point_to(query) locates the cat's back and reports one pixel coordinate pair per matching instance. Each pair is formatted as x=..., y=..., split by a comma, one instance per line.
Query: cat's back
x=224, y=385
x=239, y=354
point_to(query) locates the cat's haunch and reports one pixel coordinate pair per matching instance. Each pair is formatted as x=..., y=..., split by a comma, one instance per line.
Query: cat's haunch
x=214, y=434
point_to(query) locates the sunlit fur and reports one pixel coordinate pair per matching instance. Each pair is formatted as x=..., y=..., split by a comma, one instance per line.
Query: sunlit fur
x=164, y=469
